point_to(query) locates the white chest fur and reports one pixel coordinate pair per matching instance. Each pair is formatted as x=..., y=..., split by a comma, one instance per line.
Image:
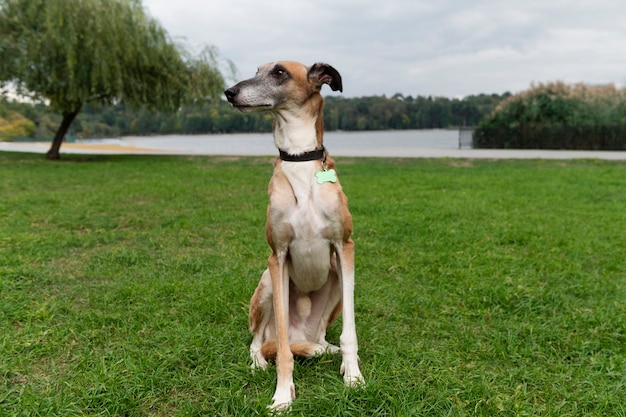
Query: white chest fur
x=315, y=223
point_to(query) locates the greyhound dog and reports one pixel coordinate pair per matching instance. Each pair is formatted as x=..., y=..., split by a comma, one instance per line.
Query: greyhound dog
x=310, y=274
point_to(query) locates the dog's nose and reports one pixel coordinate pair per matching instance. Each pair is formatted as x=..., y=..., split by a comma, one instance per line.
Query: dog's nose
x=231, y=93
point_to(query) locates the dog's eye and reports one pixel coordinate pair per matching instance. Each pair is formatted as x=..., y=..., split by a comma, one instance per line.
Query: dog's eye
x=279, y=72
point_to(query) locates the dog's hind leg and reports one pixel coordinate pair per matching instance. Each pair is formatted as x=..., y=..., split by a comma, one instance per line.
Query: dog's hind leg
x=261, y=320
x=326, y=308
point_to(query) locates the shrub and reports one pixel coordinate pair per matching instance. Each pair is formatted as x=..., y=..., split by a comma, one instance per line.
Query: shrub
x=558, y=116
x=15, y=126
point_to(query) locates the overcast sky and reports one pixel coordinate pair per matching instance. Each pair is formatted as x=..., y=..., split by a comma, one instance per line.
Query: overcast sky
x=449, y=48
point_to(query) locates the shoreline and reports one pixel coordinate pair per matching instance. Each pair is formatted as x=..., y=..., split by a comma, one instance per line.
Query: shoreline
x=119, y=147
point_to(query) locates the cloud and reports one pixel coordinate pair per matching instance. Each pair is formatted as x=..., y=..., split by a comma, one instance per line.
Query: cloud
x=449, y=48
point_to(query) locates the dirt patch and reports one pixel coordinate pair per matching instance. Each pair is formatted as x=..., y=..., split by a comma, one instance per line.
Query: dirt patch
x=108, y=147
x=460, y=163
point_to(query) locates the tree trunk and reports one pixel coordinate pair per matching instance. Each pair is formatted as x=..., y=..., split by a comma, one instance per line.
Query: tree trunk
x=68, y=118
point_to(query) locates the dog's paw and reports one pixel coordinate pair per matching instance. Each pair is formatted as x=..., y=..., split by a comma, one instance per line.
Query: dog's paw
x=352, y=376
x=325, y=348
x=258, y=361
x=332, y=349
x=282, y=398
x=354, y=381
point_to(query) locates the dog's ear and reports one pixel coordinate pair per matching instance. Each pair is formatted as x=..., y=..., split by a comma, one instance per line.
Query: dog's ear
x=325, y=74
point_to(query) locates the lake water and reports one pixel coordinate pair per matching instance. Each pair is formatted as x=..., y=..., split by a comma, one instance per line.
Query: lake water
x=371, y=143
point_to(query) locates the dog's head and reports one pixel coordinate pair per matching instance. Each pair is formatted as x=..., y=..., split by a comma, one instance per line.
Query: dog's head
x=281, y=84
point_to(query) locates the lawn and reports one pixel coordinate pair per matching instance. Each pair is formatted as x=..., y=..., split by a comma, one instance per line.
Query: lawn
x=483, y=288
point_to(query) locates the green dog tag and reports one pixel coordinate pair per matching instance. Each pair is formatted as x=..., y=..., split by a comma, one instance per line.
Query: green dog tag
x=326, y=176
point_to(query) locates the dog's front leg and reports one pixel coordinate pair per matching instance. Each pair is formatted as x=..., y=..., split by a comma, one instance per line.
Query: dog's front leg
x=348, y=339
x=285, y=389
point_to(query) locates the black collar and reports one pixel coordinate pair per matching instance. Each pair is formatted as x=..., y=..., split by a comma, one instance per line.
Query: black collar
x=303, y=157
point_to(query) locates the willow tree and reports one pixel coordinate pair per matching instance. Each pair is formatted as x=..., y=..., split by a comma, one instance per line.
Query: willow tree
x=72, y=52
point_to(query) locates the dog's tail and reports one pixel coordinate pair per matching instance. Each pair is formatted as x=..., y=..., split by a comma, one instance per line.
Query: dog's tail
x=303, y=349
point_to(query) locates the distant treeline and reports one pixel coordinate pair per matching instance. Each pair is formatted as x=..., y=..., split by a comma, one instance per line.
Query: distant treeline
x=23, y=120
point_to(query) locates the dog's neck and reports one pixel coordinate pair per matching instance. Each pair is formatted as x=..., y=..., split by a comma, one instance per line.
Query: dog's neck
x=298, y=131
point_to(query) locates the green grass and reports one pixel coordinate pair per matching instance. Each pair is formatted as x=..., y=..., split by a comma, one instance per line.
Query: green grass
x=483, y=288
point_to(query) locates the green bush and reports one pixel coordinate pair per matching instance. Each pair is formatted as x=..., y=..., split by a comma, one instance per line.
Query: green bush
x=15, y=126
x=558, y=116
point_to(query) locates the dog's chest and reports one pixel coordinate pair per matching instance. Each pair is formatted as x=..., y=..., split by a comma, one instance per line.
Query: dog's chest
x=314, y=213
x=309, y=212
